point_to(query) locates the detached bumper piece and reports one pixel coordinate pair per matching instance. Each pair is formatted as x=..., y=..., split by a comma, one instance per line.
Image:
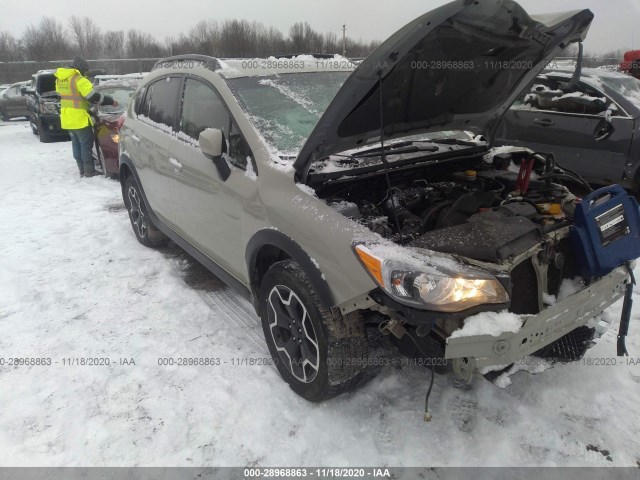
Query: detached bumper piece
x=569, y=348
x=558, y=328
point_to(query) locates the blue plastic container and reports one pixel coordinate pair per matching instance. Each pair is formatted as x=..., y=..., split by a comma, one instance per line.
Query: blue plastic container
x=606, y=232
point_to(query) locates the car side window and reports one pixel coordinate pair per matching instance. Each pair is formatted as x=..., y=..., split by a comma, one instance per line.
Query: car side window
x=13, y=92
x=557, y=96
x=137, y=105
x=202, y=108
x=161, y=101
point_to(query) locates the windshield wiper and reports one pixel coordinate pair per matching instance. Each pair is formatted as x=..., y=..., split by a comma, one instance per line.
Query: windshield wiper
x=397, y=149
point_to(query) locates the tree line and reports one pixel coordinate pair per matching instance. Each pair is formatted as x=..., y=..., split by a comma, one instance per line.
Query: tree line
x=52, y=40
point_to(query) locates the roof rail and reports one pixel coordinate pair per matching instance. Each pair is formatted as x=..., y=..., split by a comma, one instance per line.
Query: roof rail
x=188, y=61
x=314, y=55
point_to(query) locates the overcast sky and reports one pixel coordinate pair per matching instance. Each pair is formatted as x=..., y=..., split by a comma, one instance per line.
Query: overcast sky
x=369, y=20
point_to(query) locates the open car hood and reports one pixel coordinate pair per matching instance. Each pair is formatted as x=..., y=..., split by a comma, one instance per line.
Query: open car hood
x=458, y=67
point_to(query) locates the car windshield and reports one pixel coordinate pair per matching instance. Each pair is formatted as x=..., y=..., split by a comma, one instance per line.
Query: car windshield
x=625, y=85
x=121, y=94
x=286, y=108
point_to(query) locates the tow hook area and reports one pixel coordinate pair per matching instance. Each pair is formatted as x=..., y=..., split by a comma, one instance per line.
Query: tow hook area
x=464, y=369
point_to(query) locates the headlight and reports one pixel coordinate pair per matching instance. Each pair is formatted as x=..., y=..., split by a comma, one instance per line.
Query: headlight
x=115, y=137
x=430, y=287
x=48, y=107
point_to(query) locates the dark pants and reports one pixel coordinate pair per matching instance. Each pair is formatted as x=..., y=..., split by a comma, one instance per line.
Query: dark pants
x=82, y=143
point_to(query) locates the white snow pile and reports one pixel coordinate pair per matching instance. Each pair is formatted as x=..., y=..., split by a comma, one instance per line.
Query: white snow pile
x=75, y=283
x=489, y=323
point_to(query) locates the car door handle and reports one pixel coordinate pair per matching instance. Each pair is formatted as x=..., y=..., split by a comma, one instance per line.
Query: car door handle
x=177, y=166
x=545, y=122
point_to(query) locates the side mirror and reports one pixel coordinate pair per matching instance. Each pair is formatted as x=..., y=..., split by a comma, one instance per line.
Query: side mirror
x=4, y=95
x=23, y=91
x=603, y=130
x=213, y=145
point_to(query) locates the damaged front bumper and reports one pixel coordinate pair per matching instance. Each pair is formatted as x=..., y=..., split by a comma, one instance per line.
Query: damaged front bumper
x=473, y=353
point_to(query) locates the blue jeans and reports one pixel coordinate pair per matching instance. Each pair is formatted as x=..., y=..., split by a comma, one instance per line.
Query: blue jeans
x=82, y=143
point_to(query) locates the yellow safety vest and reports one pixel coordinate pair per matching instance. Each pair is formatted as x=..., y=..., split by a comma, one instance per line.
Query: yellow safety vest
x=73, y=89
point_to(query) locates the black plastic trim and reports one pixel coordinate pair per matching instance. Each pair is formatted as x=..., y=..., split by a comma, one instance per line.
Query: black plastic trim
x=416, y=316
x=295, y=252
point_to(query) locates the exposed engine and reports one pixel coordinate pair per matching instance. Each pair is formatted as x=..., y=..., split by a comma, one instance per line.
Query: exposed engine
x=488, y=211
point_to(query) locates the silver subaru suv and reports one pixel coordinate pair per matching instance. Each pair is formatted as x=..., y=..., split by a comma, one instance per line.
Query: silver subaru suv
x=338, y=196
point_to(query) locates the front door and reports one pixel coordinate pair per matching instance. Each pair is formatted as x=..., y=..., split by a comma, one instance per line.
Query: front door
x=209, y=212
x=569, y=125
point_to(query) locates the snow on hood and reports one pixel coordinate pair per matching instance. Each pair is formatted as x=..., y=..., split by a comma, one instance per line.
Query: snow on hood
x=458, y=67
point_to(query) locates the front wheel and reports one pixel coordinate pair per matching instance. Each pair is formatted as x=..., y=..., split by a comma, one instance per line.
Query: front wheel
x=145, y=231
x=3, y=116
x=34, y=128
x=319, y=353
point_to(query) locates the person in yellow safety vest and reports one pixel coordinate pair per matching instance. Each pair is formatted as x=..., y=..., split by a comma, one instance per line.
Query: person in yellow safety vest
x=76, y=94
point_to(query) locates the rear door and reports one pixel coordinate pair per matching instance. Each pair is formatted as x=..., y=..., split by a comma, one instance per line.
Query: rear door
x=567, y=124
x=14, y=103
x=209, y=212
x=156, y=120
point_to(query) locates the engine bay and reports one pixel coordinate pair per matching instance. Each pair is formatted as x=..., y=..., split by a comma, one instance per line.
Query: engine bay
x=488, y=208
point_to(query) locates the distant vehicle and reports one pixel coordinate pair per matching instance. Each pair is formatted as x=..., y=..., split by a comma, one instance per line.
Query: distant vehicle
x=590, y=127
x=631, y=63
x=109, y=119
x=12, y=103
x=43, y=105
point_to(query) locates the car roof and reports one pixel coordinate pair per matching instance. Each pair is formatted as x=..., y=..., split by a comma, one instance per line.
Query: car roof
x=229, y=68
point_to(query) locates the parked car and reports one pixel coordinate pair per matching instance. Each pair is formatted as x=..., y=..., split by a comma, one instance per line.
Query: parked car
x=12, y=103
x=43, y=105
x=631, y=63
x=108, y=120
x=273, y=173
x=590, y=126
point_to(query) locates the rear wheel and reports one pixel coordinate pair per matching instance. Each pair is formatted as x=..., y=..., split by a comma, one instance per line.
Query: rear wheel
x=146, y=233
x=3, y=116
x=319, y=353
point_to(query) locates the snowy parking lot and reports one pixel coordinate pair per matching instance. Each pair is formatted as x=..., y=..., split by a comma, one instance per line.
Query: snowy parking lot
x=77, y=289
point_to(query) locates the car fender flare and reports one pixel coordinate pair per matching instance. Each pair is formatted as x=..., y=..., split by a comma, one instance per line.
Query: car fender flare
x=275, y=238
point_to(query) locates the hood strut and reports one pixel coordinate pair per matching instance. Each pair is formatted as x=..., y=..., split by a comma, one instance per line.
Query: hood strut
x=383, y=154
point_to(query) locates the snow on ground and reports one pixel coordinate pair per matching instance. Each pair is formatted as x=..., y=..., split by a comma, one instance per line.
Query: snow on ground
x=74, y=283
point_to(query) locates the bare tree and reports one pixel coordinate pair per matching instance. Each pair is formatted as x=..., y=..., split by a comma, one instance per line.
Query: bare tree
x=142, y=45
x=46, y=41
x=86, y=35
x=113, y=44
x=10, y=50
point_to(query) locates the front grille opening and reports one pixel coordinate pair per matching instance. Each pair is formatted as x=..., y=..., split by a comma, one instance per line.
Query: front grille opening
x=524, y=289
x=569, y=348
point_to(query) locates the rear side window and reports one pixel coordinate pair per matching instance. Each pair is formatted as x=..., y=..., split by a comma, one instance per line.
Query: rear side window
x=160, y=102
x=137, y=105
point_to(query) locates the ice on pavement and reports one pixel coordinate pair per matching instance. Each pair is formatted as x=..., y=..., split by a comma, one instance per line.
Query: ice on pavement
x=74, y=282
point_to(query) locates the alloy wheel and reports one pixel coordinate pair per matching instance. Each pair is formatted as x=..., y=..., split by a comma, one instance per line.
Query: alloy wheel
x=293, y=333
x=136, y=211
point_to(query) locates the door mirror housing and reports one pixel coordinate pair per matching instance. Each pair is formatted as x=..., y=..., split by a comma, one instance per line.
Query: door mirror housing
x=213, y=146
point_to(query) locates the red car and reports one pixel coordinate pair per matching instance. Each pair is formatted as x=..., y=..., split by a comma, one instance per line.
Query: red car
x=631, y=63
x=107, y=123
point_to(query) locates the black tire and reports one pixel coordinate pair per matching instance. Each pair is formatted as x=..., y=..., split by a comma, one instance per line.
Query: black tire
x=330, y=356
x=144, y=230
x=34, y=128
x=3, y=116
